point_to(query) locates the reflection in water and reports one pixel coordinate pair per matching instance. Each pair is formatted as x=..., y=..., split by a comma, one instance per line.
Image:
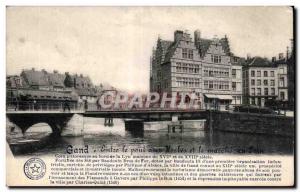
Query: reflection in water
x=97, y=135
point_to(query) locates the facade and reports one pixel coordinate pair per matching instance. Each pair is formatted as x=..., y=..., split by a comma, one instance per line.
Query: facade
x=282, y=79
x=202, y=66
x=260, y=81
x=291, y=77
x=41, y=86
x=265, y=80
x=237, y=80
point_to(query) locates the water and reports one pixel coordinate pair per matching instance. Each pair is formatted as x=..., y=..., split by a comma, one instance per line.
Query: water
x=99, y=137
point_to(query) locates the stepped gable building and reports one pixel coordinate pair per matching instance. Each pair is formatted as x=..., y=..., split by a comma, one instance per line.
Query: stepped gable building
x=202, y=66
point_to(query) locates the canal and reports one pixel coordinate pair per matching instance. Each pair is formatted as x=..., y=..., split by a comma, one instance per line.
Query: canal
x=38, y=141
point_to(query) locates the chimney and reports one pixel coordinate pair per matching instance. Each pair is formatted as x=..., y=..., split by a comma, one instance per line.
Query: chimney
x=81, y=75
x=44, y=71
x=273, y=59
x=32, y=69
x=280, y=56
x=197, y=36
x=178, y=35
x=248, y=56
x=55, y=71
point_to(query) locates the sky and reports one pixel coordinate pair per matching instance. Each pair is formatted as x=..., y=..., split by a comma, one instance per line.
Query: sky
x=114, y=44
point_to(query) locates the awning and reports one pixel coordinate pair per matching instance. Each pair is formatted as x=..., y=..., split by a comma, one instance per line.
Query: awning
x=211, y=96
x=225, y=97
x=220, y=97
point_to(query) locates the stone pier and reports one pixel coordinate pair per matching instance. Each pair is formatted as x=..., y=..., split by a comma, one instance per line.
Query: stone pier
x=74, y=126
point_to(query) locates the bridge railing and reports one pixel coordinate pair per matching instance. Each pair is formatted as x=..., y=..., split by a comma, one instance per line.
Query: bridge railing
x=93, y=107
x=74, y=106
x=41, y=106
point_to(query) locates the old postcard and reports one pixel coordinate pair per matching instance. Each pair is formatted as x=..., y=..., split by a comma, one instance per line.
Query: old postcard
x=150, y=96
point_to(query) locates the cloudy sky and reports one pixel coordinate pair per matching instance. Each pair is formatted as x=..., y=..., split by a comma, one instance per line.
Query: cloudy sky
x=113, y=44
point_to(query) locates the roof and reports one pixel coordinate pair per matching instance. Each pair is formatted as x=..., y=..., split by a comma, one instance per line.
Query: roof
x=281, y=61
x=82, y=80
x=56, y=79
x=170, y=52
x=203, y=46
x=165, y=44
x=33, y=77
x=259, y=62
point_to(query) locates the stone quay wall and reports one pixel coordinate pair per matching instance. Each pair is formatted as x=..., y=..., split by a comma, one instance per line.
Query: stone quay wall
x=252, y=123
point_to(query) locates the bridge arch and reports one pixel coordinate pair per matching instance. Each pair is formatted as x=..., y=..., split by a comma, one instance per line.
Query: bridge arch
x=25, y=121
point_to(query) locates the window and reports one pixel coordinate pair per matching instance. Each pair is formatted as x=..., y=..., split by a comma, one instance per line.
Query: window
x=272, y=74
x=211, y=85
x=205, y=72
x=166, y=83
x=252, y=91
x=184, y=53
x=252, y=101
x=266, y=91
x=234, y=86
x=258, y=91
x=258, y=82
x=281, y=70
x=216, y=58
x=252, y=73
x=265, y=82
x=191, y=55
x=282, y=95
x=272, y=82
x=258, y=74
x=272, y=91
x=252, y=82
x=158, y=75
x=281, y=82
x=265, y=73
x=233, y=73
x=158, y=87
x=205, y=84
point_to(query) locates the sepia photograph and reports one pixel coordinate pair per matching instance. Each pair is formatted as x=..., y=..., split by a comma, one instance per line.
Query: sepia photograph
x=150, y=96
